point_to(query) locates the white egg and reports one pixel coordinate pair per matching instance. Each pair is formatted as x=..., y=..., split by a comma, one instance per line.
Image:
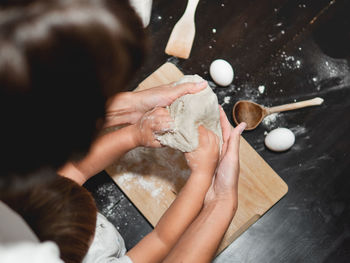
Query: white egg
x=221, y=72
x=280, y=139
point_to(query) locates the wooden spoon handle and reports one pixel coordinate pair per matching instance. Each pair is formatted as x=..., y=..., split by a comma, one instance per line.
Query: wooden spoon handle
x=294, y=106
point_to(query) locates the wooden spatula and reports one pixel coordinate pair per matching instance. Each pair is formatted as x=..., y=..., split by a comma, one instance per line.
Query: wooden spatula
x=181, y=38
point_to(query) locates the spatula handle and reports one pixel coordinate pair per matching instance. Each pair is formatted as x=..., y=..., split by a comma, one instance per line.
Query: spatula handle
x=191, y=8
x=296, y=105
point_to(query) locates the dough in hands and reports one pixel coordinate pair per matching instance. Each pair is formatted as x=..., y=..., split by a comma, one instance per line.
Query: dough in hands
x=189, y=112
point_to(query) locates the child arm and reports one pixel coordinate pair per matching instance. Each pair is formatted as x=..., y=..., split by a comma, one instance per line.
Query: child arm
x=109, y=147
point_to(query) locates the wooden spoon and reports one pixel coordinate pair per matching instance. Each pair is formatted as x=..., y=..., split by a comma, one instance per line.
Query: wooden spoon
x=181, y=38
x=253, y=113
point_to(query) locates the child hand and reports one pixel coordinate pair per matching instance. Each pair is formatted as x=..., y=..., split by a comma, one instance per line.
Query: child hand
x=205, y=158
x=155, y=121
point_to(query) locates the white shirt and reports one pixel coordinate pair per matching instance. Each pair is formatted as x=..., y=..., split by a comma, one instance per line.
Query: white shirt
x=13, y=228
x=107, y=246
x=46, y=252
x=19, y=244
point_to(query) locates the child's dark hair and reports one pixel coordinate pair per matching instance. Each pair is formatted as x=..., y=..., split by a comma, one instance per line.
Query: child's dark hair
x=59, y=62
x=61, y=211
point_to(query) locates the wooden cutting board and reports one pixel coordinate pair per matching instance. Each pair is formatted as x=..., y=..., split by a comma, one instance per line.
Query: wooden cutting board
x=151, y=178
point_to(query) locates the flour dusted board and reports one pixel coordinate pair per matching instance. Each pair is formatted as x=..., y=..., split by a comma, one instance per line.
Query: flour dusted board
x=151, y=178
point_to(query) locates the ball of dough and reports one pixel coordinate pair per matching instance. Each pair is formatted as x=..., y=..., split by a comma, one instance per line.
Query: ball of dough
x=280, y=139
x=189, y=112
x=221, y=72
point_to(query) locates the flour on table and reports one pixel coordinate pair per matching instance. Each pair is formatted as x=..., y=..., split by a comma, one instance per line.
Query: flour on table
x=153, y=170
x=189, y=112
x=227, y=100
x=269, y=120
x=261, y=89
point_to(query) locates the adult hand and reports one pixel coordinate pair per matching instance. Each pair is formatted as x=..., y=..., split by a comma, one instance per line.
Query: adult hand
x=224, y=186
x=205, y=158
x=226, y=131
x=164, y=95
x=129, y=107
x=154, y=122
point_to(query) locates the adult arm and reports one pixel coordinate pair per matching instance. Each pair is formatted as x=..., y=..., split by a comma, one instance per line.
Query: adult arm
x=201, y=240
x=128, y=107
x=155, y=246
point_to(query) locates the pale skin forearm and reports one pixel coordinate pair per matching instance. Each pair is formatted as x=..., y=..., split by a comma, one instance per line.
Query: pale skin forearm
x=202, y=162
x=155, y=246
x=108, y=148
x=103, y=152
x=202, y=238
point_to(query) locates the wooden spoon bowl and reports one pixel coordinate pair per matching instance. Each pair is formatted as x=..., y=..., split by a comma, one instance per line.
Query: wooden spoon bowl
x=249, y=112
x=253, y=113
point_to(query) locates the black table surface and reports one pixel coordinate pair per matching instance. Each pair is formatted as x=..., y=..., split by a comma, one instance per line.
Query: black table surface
x=297, y=50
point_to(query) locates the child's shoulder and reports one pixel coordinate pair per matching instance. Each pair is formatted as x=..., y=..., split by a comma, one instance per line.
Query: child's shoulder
x=107, y=244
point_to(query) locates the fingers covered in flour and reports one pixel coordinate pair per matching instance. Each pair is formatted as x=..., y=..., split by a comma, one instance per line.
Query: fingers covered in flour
x=156, y=121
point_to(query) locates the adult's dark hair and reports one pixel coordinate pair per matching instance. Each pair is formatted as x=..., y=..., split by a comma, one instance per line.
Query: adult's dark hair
x=61, y=211
x=59, y=62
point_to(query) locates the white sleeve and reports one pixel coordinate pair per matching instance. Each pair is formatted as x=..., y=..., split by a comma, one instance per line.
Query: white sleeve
x=107, y=246
x=123, y=259
x=13, y=228
x=30, y=253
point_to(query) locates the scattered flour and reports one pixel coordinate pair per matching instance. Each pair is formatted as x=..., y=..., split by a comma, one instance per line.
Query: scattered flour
x=107, y=197
x=227, y=100
x=156, y=171
x=261, y=89
x=290, y=62
x=269, y=120
x=299, y=130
